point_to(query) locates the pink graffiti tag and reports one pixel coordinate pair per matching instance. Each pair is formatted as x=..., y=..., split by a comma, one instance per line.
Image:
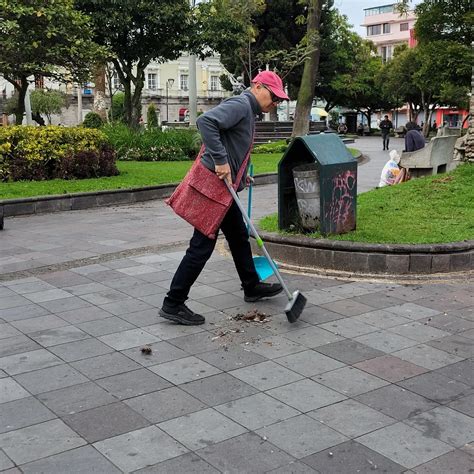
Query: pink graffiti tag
x=341, y=211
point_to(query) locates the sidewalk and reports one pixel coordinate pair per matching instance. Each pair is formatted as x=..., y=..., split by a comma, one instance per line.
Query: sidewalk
x=374, y=377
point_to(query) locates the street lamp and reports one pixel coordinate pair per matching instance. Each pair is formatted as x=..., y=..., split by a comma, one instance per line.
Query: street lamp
x=169, y=85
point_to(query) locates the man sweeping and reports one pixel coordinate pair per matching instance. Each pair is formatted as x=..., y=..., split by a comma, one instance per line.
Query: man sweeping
x=227, y=134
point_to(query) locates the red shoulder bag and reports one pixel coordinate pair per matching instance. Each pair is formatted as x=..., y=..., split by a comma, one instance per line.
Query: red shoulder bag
x=202, y=199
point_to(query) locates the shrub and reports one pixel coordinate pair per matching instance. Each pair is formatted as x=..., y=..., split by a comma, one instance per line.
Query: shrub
x=152, y=117
x=37, y=153
x=274, y=147
x=92, y=120
x=153, y=144
x=117, y=110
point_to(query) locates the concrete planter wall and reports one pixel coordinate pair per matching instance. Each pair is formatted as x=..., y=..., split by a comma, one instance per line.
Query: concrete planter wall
x=72, y=202
x=353, y=257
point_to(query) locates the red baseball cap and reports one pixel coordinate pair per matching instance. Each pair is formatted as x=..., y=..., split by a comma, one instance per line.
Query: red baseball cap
x=273, y=82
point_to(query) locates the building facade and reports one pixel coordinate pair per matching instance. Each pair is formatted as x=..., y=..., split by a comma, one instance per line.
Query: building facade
x=387, y=28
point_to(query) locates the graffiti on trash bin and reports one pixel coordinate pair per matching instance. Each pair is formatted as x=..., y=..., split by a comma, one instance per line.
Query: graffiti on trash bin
x=308, y=197
x=341, y=210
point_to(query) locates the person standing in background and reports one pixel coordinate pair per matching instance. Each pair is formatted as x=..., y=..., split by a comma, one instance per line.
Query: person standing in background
x=385, y=127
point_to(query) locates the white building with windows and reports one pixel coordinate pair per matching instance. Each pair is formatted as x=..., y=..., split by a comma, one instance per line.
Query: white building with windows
x=387, y=28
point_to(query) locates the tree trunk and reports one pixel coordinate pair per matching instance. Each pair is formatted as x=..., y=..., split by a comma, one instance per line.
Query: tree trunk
x=139, y=83
x=21, y=89
x=310, y=71
x=427, y=114
x=99, y=91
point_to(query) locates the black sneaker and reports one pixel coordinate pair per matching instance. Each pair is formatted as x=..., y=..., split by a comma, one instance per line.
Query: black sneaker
x=262, y=290
x=181, y=314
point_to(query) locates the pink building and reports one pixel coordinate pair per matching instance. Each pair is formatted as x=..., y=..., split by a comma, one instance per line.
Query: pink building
x=386, y=28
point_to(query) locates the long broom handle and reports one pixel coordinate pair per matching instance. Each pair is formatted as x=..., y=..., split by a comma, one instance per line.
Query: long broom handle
x=258, y=239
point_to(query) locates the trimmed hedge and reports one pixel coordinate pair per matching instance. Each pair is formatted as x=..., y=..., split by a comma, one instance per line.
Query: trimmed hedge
x=153, y=144
x=40, y=153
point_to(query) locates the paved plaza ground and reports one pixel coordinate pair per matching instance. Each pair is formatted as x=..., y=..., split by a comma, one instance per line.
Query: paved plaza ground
x=376, y=376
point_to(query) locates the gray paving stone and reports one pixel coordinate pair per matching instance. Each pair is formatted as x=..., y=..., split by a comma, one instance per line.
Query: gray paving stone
x=160, y=352
x=230, y=358
x=22, y=312
x=132, y=384
x=295, y=467
x=28, y=361
x=381, y=319
x=404, y=445
x=105, y=365
x=378, y=300
x=128, y=306
x=351, y=457
x=128, y=339
x=23, y=412
x=256, y=411
x=320, y=297
x=396, y=402
x=426, y=356
x=106, y=296
x=7, y=330
x=147, y=317
x=165, y=404
x=266, y=375
x=47, y=295
x=8, y=302
x=456, y=345
x=272, y=347
x=83, y=315
x=82, y=460
x=64, y=278
x=189, y=463
x=350, y=381
x=39, y=441
x=184, y=370
x=218, y=389
x=454, y=462
x=418, y=331
x=5, y=462
x=105, y=421
x=196, y=343
x=309, y=363
x=436, y=387
x=50, y=378
x=348, y=307
x=60, y=335
x=3, y=374
x=200, y=429
x=351, y=418
x=105, y=326
x=17, y=345
x=296, y=436
x=85, y=288
x=38, y=323
x=444, y=424
x=306, y=395
x=65, y=304
x=167, y=330
x=390, y=368
x=348, y=327
x=11, y=390
x=244, y=453
x=464, y=405
x=77, y=398
x=78, y=350
x=385, y=341
x=312, y=336
x=137, y=449
x=449, y=322
x=349, y=351
x=412, y=311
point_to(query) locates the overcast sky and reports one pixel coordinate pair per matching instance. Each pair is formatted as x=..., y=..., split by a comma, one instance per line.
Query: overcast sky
x=354, y=9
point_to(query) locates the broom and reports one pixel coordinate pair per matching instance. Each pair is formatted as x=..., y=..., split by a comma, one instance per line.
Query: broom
x=296, y=300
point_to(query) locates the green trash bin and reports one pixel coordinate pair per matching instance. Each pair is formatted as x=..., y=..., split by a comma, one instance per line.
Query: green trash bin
x=308, y=195
x=336, y=173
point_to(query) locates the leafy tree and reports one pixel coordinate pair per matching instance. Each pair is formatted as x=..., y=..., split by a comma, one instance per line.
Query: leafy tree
x=137, y=32
x=41, y=38
x=92, y=120
x=47, y=102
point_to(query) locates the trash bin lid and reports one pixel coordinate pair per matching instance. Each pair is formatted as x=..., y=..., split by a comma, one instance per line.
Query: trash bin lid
x=327, y=149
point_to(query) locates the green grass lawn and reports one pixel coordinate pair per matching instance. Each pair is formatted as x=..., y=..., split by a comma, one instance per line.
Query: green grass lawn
x=133, y=174
x=426, y=210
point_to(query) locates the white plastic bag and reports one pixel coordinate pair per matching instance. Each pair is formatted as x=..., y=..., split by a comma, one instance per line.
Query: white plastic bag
x=391, y=170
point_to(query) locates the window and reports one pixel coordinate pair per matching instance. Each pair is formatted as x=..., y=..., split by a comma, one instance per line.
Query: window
x=403, y=26
x=386, y=28
x=374, y=30
x=214, y=83
x=152, y=80
x=115, y=81
x=386, y=53
x=379, y=10
x=183, y=82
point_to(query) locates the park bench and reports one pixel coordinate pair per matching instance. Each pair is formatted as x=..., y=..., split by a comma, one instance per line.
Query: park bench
x=436, y=157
